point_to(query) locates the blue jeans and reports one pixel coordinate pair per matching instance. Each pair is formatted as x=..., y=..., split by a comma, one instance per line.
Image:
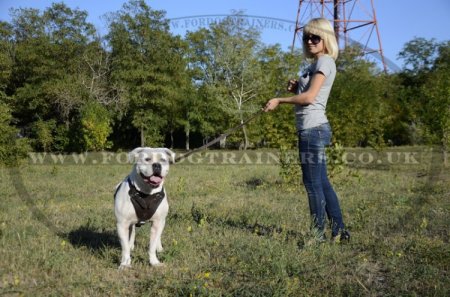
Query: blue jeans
x=321, y=196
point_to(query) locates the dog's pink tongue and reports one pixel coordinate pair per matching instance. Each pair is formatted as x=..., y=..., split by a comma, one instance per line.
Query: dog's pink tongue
x=155, y=179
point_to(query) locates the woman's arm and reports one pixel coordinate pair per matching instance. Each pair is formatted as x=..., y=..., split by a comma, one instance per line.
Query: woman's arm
x=304, y=98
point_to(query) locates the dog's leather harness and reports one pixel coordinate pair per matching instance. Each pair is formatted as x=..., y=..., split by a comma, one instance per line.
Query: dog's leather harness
x=144, y=204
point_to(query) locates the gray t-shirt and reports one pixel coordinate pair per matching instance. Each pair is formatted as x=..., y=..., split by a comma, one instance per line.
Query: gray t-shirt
x=313, y=115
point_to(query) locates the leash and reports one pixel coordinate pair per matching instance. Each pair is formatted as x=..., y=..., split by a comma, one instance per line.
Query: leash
x=222, y=136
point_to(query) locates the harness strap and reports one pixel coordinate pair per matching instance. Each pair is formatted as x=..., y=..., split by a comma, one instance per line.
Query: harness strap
x=144, y=204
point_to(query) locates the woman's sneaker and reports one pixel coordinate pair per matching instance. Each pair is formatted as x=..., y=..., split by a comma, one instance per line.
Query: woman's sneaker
x=344, y=236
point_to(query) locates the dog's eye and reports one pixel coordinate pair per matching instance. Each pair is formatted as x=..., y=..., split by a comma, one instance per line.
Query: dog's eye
x=148, y=159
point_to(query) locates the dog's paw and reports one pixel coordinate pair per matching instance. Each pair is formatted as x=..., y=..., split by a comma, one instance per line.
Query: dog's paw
x=158, y=265
x=124, y=266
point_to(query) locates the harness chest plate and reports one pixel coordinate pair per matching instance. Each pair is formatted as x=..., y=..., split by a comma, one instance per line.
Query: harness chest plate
x=145, y=205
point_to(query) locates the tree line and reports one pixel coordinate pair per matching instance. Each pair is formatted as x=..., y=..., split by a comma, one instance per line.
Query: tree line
x=63, y=87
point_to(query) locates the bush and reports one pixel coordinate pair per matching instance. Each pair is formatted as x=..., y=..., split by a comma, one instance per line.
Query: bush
x=43, y=131
x=95, y=127
x=12, y=147
x=290, y=169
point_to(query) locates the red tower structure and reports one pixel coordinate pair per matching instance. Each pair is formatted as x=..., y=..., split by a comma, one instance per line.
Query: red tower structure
x=354, y=22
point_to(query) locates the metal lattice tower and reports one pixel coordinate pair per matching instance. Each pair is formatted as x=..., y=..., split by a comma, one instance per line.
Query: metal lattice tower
x=354, y=22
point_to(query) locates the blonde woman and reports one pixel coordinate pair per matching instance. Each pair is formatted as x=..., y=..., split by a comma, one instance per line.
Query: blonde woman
x=310, y=100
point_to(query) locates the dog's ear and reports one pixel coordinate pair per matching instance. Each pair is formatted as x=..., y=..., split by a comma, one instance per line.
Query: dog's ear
x=134, y=154
x=170, y=154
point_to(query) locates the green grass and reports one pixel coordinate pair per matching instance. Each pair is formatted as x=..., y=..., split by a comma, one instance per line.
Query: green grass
x=232, y=230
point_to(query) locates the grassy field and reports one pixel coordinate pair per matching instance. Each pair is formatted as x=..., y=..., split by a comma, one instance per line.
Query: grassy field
x=232, y=230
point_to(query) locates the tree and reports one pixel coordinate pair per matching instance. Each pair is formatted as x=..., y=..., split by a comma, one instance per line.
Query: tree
x=426, y=82
x=419, y=54
x=49, y=70
x=186, y=110
x=240, y=72
x=6, y=55
x=203, y=112
x=278, y=129
x=12, y=147
x=436, y=92
x=145, y=60
x=230, y=70
x=357, y=106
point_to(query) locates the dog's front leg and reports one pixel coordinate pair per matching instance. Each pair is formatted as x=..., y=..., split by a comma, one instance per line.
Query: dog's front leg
x=123, y=231
x=155, y=241
x=159, y=247
x=132, y=230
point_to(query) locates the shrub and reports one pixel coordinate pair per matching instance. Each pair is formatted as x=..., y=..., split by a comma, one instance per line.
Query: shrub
x=12, y=147
x=43, y=131
x=95, y=127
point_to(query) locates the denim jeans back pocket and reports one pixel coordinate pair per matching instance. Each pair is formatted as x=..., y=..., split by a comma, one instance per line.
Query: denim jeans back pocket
x=317, y=136
x=325, y=134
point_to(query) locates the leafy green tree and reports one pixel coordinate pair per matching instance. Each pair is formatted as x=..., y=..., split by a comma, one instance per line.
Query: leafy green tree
x=145, y=60
x=12, y=147
x=49, y=71
x=6, y=55
x=357, y=106
x=230, y=69
x=186, y=110
x=203, y=113
x=239, y=72
x=397, y=117
x=426, y=83
x=436, y=91
x=278, y=129
x=419, y=54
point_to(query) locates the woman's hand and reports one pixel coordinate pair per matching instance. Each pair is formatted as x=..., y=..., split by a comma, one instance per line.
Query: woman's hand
x=292, y=86
x=271, y=104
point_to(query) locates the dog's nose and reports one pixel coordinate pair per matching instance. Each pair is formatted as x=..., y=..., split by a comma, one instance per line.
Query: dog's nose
x=157, y=168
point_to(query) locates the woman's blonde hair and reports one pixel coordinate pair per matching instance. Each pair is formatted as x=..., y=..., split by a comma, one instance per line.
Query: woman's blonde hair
x=322, y=28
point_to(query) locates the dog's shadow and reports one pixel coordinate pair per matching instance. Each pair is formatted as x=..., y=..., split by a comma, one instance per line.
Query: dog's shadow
x=93, y=239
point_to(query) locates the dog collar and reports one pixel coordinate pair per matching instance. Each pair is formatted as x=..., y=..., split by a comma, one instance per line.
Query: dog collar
x=144, y=204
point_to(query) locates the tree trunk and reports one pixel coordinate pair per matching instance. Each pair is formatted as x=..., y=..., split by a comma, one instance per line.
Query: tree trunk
x=244, y=130
x=223, y=142
x=142, y=137
x=246, y=144
x=187, y=138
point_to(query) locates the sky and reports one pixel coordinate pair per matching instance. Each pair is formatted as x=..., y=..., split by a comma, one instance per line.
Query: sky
x=399, y=21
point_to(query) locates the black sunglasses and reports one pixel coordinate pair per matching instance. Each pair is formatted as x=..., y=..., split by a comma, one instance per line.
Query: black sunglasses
x=315, y=39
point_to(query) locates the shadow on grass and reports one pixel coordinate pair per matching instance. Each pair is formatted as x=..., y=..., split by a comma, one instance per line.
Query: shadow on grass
x=92, y=239
x=199, y=215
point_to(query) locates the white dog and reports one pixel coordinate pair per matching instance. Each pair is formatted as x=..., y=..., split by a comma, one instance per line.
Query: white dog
x=141, y=197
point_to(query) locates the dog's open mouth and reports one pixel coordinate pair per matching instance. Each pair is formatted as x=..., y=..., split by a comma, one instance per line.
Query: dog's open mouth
x=153, y=180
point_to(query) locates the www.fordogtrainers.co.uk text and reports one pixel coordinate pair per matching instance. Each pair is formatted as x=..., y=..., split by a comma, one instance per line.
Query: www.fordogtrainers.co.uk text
x=351, y=157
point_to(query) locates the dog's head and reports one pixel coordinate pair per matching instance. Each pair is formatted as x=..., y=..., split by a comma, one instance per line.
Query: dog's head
x=152, y=164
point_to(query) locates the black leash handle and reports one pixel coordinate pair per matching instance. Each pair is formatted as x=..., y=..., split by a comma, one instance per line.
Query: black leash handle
x=222, y=136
